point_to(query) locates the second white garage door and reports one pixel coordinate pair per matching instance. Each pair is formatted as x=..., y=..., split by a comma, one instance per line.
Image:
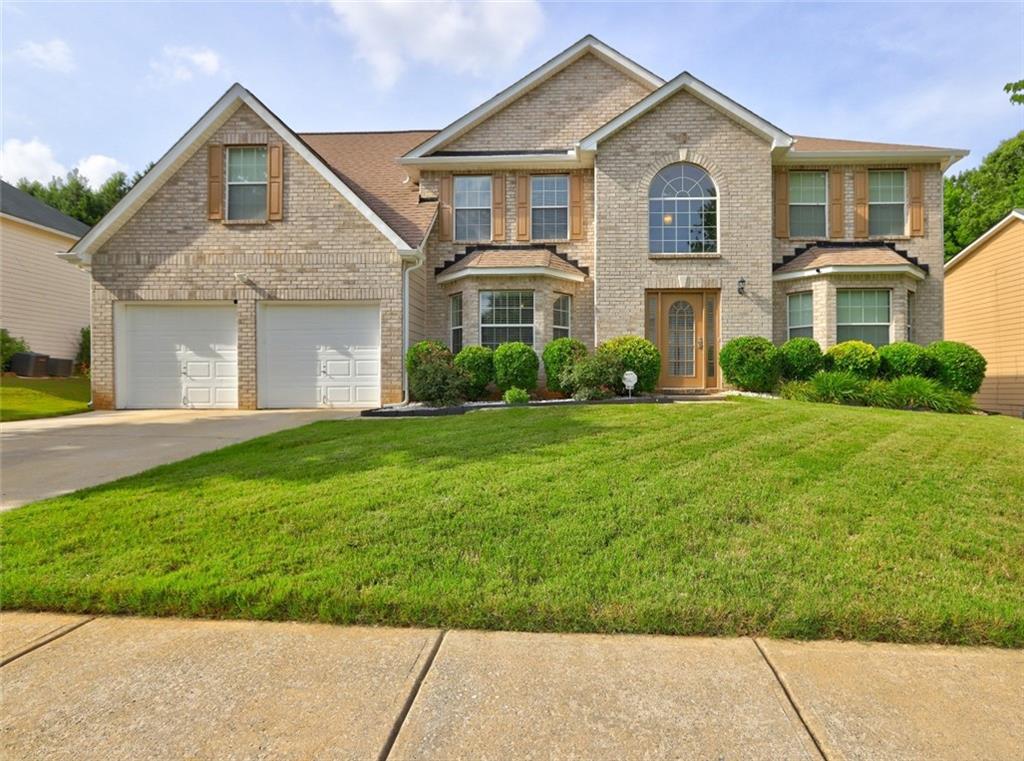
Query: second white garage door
x=319, y=355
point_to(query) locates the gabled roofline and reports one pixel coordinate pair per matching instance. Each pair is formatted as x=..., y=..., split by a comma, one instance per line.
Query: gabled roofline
x=850, y=269
x=711, y=96
x=589, y=44
x=183, y=149
x=1015, y=214
x=38, y=226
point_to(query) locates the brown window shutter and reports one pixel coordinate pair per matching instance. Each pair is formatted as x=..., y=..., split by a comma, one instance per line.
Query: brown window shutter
x=215, y=182
x=916, y=181
x=860, y=203
x=575, y=206
x=445, y=200
x=781, y=183
x=523, y=207
x=498, y=207
x=836, y=221
x=275, y=184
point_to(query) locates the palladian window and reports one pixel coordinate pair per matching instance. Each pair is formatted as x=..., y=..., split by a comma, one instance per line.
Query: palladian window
x=683, y=210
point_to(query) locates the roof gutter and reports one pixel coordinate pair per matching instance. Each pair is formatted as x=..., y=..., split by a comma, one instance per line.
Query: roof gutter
x=415, y=259
x=945, y=158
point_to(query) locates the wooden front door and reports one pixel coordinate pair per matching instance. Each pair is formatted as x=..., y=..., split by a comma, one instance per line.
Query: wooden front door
x=683, y=325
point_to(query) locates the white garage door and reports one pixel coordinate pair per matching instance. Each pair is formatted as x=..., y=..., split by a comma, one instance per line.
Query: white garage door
x=319, y=355
x=178, y=356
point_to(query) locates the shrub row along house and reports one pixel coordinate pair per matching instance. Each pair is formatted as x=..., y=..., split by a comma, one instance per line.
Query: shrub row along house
x=258, y=267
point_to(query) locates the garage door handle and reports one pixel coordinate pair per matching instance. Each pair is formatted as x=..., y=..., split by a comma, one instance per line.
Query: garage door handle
x=184, y=370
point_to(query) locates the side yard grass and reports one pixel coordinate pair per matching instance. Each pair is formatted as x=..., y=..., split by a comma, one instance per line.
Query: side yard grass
x=27, y=398
x=778, y=518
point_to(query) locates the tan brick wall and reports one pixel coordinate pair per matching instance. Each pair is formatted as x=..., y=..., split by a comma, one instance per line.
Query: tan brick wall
x=570, y=105
x=323, y=250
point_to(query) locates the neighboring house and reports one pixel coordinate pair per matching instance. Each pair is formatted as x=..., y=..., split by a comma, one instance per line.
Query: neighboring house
x=985, y=308
x=42, y=299
x=257, y=267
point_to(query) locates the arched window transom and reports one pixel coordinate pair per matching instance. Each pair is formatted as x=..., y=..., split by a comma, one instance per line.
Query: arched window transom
x=683, y=211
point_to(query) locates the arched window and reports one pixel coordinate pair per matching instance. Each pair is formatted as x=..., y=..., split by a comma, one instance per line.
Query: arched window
x=683, y=211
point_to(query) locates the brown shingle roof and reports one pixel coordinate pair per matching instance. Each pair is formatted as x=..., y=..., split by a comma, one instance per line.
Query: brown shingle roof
x=366, y=162
x=806, y=144
x=497, y=258
x=833, y=256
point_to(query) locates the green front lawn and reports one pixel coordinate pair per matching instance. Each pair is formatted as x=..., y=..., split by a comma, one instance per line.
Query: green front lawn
x=27, y=398
x=747, y=517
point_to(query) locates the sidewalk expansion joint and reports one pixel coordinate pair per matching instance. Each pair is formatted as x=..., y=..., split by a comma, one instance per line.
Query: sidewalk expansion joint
x=45, y=640
x=790, y=698
x=407, y=706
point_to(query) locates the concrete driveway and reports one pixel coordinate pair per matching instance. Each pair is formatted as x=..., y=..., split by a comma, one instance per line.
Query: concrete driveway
x=45, y=458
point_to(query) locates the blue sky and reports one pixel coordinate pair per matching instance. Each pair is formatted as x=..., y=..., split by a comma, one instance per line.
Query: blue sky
x=103, y=86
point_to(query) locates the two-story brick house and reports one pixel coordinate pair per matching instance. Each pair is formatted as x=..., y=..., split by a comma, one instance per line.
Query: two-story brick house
x=258, y=267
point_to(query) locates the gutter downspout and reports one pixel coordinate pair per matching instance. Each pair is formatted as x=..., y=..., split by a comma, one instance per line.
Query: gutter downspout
x=420, y=259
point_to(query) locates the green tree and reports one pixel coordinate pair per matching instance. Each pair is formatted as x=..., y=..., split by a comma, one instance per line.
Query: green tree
x=73, y=196
x=1016, y=91
x=977, y=198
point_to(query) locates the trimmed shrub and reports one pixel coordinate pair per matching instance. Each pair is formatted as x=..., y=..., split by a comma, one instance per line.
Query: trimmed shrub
x=751, y=363
x=856, y=357
x=477, y=362
x=9, y=346
x=801, y=358
x=559, y=355
x=838, y=387
x=419, y=351
x=636, y=354
x=516, y=364
x=516, y=396
x=958, y=366
x=594, y=377
x=905, y=358
x=797, y=391
x=912, y=392
x=438, y=383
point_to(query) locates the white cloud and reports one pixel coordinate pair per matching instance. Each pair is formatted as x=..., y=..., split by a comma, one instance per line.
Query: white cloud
x=54, y=55
x=182, y=64
x=97, y=168
x=460, y=37
x=33, y=160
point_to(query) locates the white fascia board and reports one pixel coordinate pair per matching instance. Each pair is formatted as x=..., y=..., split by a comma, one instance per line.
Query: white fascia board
x=577, y=277
x=570, y=159
x=708, y=94
x=946, y=158
x=1015, y=214
x=44, y=228
x=853, y=269
x=588, y=44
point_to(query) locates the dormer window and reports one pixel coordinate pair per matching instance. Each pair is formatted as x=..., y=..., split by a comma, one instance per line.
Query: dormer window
x=247, y=183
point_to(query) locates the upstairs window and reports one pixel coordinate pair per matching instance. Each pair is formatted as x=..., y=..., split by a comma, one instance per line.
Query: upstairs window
x=863, y=315
x=247, y=182
x=561, y=317
x=549, y=207
x=887, y=201
x=506, y=316
x=683, y=213
x=807, y=203
x=473, y=208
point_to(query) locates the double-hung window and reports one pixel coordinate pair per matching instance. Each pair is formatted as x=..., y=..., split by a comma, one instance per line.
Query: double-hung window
x=455, y=320
x=247, y=182
x=506, y=316
x=561, y=316
x=800, y=307
x=808, y=201
x=887, y=201
x=549, y=202
x=473, y=208
x=863, y=315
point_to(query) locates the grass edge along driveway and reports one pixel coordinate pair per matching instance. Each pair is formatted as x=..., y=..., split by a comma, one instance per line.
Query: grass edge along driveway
x=31, y=398
x=753, y=517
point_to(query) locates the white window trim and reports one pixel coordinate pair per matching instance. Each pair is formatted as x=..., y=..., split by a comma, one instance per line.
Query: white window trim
x=888, y=323
x=824, y=233
x=452, y=327
x=228, y=183
x=490, y=209
x=568, y=205
x=718, y=219
x=871, y=203
x=532, y=325
x=568, y=326
x=789, y=325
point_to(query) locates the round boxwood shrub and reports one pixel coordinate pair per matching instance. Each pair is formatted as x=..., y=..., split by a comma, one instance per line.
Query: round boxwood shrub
x=516, y=396
x=593, y=377
x=559, y=355
x=636, y=354
x=751, y=363
x=419, y=351
x=801, y=358
x=855, y=357
x=958, y=366
x=477, y=362
x=904, y=358
x=516, y=364
x=437, y=381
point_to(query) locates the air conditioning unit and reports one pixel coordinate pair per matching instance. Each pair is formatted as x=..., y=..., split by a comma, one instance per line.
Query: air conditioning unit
x=60, y=368
x=28, y=364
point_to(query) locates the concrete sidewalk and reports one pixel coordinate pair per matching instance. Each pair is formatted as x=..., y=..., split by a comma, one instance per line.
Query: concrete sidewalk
x=120, y=688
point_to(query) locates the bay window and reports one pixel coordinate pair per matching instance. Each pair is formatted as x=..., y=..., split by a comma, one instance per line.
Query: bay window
x=863, y=315
x=506, y=316
x=800, y=307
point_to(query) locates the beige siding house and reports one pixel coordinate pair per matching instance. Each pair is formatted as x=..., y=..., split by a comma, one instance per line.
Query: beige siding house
x=43, y=300
x=255, y=266
x=985, y=308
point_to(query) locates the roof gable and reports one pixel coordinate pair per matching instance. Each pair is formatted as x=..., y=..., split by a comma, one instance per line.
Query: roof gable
x=1015, y=215
x=20, y=205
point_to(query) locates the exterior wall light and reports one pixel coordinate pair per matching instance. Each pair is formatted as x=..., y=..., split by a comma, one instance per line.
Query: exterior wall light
x=741, y=286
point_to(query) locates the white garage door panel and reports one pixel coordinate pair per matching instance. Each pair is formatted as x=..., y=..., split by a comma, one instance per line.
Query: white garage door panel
x=178, y=356
x=319, y=355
